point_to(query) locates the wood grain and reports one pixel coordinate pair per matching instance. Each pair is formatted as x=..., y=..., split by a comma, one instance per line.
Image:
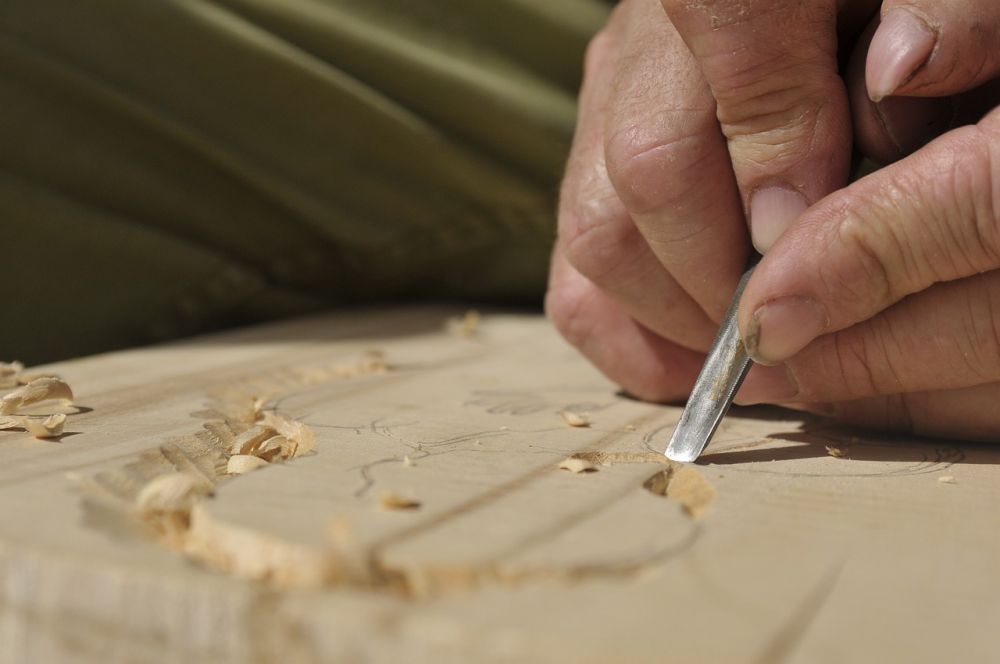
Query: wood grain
x=801, y=557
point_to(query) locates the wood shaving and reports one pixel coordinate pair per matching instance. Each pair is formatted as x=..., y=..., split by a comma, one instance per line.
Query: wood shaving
x=173, y=492
x=9, y=372
x=11, y=423
x=947, y=479
x=575, y=419
x=251, y=440
x=690, y=488
x=835, y=452
x=577, y=465
x=38, y=390
x=467, y=326
x=45, y=427
x=244, y=463
x=301, y=439
x=389, y=500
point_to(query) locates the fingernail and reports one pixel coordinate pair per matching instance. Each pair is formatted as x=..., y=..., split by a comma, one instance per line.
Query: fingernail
x=772, y=210
x=783, y=327
x=901, y=45
x=767, y=385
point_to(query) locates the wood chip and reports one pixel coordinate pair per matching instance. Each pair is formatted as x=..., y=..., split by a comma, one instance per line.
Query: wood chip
x=38, y=390
x=250, y=440
x=947, y=479
x=9, y=372
x=577, y=465
x=690, y=488
x=244, y=463
x=301, y=439
x=389, y=500
x=575, y=419
x=45, y=427
x=173, y=492
x=467, y=326
x=835, y=452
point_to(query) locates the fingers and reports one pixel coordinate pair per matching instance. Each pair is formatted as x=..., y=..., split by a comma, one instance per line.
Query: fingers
x=597, y=235
x=934, y=48
x=932, y=217
x=668, y=161
x=781, y=103
x=644, y=364
x=958, y=346
x=894, y=127
x=965, y=414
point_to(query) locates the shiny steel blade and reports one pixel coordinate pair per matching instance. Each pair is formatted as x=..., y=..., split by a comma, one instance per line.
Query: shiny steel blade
x=725, y=368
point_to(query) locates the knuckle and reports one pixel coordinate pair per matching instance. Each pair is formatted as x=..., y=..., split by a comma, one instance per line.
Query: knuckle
x=654, y=174
x=776, y=126
x=596, y=231
x=564, y=306
x=862, y=276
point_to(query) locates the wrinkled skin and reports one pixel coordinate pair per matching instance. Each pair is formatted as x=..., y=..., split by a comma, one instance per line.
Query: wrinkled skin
x=708, y=128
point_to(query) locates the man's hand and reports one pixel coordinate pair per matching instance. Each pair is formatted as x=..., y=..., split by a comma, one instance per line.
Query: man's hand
x=684, y=135
x=732, y=114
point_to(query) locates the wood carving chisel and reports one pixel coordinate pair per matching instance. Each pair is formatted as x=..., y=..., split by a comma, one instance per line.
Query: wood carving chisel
x=725, y=368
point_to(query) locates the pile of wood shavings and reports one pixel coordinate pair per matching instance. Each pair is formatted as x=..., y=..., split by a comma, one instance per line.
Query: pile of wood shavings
x=35, y=402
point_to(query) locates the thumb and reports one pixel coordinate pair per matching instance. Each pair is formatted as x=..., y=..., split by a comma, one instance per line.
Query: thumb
x=772, y=67
x=929, y=48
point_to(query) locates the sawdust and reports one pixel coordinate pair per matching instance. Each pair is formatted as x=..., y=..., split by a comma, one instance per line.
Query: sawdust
x=575, y=419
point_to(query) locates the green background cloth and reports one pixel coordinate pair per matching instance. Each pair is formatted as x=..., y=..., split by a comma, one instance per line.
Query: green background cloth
x=169, y=167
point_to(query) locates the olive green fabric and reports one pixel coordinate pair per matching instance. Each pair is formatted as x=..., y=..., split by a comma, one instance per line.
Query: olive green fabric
x=173, y=166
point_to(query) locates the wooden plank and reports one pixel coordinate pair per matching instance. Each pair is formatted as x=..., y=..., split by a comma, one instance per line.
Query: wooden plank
x=802, y=556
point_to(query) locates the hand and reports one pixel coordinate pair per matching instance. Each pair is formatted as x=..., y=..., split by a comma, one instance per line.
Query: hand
x=881, y=304
x=684, y=134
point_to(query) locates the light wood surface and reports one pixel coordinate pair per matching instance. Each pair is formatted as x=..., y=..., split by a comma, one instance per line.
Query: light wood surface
x=801, y=557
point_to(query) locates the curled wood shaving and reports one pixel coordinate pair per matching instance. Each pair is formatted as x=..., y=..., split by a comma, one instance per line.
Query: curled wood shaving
x=389, y=500
x=244, y=463
x=577, y=465
x=38, y=390
x=301, y=439
x=173, y=492
x=575, y=419
x=45, y=427
x=250, y=440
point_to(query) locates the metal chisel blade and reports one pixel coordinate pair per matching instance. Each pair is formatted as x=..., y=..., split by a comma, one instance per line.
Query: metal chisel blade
x=725, y=368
